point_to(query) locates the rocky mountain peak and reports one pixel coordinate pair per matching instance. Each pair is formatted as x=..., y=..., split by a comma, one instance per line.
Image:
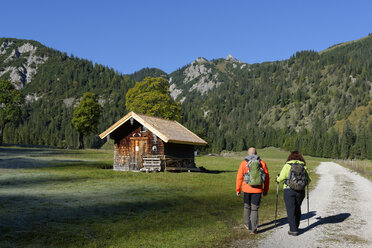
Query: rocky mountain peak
x=200, y=60
x=232, y=59
x=197, y=76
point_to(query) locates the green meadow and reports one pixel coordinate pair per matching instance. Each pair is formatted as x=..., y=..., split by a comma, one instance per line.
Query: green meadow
x=66, y=198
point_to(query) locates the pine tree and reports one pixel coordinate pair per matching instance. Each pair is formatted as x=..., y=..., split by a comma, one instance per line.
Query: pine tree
x=327, y=146
x=347, y=141
x=369, y=140
x=360, y=147
x=334, y=140
x=11, y=101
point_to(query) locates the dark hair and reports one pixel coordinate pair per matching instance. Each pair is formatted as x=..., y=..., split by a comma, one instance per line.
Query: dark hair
x=296, y=155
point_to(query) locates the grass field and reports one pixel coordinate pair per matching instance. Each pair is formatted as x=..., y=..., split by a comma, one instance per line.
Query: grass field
x=63, y=198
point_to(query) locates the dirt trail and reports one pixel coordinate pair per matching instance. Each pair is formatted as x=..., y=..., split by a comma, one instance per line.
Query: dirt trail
x=340, y=211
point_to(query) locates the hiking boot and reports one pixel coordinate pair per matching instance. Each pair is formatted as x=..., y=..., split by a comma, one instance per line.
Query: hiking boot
x=253, y=232
x=293, y=233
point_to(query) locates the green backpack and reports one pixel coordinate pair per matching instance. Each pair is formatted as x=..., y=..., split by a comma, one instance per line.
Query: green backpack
x=255, y=175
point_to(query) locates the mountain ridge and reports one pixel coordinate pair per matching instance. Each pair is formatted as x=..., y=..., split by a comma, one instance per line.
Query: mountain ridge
x=221, y=98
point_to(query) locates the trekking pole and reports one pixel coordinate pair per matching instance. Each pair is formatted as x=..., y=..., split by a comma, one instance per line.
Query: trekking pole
x=276, y=204
x=308, y=222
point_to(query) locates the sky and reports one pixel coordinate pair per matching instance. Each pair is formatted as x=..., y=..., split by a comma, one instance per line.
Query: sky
x=168, y=34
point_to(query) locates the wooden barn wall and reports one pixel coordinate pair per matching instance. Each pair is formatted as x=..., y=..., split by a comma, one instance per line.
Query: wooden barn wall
x=123, y=144
x=122, y=158
x=158, y=143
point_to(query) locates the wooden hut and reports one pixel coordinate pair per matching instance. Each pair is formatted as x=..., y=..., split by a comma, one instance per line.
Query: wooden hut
x=146, y=143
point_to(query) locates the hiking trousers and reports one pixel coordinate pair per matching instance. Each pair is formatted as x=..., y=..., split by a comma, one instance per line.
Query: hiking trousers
x=251, y=205
x=293, y=200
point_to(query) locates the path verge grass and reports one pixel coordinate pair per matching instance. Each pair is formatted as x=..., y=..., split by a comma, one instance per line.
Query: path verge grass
x=364, y=167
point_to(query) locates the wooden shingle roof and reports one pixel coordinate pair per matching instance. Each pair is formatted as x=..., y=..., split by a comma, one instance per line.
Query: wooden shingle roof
x=168, y=131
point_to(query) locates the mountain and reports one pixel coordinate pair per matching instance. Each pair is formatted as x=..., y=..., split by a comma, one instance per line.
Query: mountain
x=20, y=61
x=296, y=103
x=53, y=84
x=296, y=90
x=304, y=102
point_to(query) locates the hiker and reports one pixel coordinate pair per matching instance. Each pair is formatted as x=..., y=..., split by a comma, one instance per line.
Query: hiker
x=253, y=173
x=296, y=177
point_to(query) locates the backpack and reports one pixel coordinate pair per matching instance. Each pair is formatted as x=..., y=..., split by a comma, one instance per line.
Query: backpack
x=297, y=179
x=255, y=175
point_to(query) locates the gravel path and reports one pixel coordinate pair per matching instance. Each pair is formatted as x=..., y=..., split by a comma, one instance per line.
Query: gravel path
x=340, y=214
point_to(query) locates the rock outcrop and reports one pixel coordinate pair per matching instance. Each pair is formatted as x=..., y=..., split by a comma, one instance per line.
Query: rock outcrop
x=196, y=69
x=202, y=76
x=232, y=59
x=4, y=46
x=174, y=92
x=32, y=98
x=22, y=74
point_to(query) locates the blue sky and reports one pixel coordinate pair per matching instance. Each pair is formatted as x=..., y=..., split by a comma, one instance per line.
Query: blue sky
x=130, y=35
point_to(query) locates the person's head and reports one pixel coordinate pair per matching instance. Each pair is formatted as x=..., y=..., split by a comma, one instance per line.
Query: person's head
x=296, y=155
x=252, y=151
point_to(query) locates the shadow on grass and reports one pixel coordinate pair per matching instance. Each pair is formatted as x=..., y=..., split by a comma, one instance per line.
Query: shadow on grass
x=20, y=158
x=40, y=180
x=25, y=158
x=216, y=171
x=35, y=152
x=58, y=219
x=49, y=218
x=31, y=163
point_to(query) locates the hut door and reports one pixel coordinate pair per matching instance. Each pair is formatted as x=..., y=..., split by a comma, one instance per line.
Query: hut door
x=137, y=151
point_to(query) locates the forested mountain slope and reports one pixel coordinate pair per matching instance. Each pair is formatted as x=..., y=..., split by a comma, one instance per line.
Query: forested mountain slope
x=299, y=103
x=55, y=87
x=293, y=103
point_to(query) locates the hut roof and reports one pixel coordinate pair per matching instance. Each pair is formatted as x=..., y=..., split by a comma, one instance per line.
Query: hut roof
x=168, y=131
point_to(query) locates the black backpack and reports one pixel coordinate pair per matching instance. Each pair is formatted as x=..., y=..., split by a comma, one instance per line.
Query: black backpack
x=297, y=179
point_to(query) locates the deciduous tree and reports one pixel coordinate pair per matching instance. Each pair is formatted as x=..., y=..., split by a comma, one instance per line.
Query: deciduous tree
x=152, y=97
x=86, y=116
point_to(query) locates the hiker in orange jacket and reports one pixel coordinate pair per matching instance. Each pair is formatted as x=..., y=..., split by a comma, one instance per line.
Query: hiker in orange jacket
x=252, y=194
